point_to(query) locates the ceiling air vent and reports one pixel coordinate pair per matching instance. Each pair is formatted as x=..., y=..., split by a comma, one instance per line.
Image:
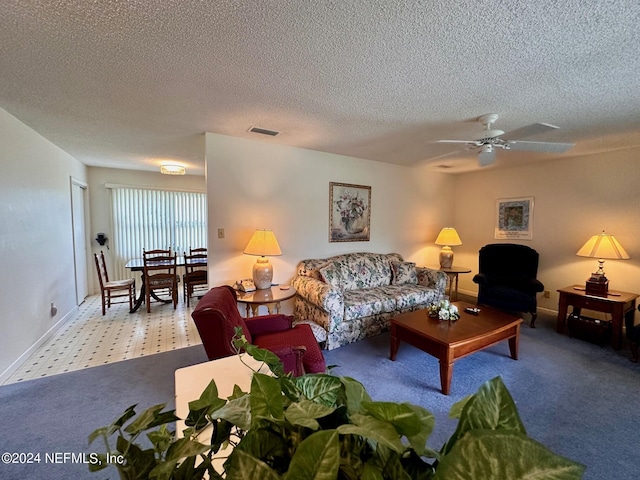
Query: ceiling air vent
x=263, y=131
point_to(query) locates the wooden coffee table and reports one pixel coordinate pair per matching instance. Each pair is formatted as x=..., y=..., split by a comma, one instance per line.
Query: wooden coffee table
x=449, y=341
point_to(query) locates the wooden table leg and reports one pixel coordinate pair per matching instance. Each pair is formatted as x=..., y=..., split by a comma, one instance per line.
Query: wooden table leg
x=446, y=372
x=617, y=319
x=513, y=344
x=562, y=313
x=395, y=343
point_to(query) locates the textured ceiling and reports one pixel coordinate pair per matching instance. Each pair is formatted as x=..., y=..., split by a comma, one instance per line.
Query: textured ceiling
x=130, y=84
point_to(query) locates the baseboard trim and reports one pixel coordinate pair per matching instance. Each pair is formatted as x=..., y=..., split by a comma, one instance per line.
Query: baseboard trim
x=10, y=370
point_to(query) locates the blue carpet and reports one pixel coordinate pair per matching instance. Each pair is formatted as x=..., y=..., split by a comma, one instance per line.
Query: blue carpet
x=579, y=399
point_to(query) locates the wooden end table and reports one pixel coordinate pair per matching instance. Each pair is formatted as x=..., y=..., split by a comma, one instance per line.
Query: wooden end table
x=619, y=304
x=270, y=297
x=452, y=275
x=449, y=341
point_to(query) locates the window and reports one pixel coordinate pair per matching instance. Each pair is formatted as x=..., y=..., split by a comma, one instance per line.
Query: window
x=149, y=219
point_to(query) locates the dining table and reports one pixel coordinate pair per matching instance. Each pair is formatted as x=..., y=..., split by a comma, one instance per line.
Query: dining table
x=137, y=265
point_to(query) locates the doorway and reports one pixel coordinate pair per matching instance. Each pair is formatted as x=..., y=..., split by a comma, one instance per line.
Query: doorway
x=78, y=212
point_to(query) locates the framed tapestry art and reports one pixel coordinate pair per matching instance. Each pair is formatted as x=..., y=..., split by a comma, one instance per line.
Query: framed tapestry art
x=349, y=212
x=514, y=218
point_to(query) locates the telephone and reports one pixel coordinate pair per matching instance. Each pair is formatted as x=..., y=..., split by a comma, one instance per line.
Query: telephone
x=246, y=285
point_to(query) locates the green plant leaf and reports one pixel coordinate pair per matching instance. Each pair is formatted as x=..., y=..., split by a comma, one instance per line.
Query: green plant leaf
x=161, y=438
x=304, y=413
x=321, y=388
x=317, y=457
x=504, y=454
x=243, y=466
x=418, y=441
x=388, y=463
x=456, y=408
x=269, y=445
x=181, y=448
x=490, y=408
x=266, y=356
x=266, y=397
x=100, y=464
x=151, y=417
x=355, y=393
x=236, y=411
x=138, y=462
x=373, y=429
x=416, y=468
x=111, y=429
x=403, y=418
x=98, y=432
x=208, y=399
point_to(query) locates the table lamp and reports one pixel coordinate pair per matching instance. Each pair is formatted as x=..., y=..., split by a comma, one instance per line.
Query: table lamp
x=447, y=237
x=264, y=244
x=601, y=246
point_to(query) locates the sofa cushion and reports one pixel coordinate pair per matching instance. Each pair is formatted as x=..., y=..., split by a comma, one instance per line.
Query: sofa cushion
x=332, y=274
x=365, y=270
x=367, y=302
x=409, y=296
x=404, y=273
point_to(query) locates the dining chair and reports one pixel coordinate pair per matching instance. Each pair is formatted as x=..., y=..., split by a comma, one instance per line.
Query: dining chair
x=195, y=276
x=160, y=275
x=113, y=289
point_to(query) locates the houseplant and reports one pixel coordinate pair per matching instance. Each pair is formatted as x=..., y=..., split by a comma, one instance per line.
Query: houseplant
x=321, y=426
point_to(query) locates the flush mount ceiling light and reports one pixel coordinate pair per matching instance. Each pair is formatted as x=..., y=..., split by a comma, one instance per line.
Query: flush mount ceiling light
x=172, y=169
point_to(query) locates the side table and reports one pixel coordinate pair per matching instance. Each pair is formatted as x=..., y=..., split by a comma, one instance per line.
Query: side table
x=270, y=297
x=620, y=305
x=452, y=273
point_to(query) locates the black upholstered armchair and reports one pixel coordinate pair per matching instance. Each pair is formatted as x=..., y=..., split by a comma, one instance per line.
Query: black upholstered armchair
x=507, y=278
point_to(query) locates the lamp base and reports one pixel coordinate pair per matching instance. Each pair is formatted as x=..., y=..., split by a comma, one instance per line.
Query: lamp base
x=262, y=273
x=446, y=257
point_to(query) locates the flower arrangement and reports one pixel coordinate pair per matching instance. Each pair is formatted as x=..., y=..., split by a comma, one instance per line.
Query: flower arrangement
x=350, y=207
x=444, y=310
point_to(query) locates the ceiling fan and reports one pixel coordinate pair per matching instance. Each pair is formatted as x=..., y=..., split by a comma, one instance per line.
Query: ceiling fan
x=491, y=140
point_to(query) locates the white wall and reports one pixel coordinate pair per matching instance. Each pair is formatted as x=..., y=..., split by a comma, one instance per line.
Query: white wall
x=254, y=184
x=574, y=198
x=101, y=203
x=36, y=242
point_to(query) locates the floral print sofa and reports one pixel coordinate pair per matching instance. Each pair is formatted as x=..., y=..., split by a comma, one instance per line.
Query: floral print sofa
x=349, y=297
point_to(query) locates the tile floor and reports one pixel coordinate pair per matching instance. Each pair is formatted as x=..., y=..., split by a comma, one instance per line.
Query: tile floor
x=89, y=339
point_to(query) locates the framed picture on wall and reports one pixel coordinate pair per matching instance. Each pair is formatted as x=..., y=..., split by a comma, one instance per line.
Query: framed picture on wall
x=514, y=218
x=349, y=212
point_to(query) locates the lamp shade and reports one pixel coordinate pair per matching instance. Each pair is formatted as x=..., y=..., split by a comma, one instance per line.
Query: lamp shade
x=264, y=244
x=603, y=246
x=448, y=236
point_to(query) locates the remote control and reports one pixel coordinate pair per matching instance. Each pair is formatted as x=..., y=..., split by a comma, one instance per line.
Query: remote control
x=472, y=311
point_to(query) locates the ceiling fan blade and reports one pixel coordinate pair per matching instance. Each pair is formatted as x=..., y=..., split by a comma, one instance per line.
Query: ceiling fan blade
x=470, y=142
x=553, y=147
x=530, y=130
x=445, y=155
x=486, y=157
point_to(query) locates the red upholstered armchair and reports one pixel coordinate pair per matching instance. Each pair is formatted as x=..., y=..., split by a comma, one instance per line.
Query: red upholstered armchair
x=217, y=315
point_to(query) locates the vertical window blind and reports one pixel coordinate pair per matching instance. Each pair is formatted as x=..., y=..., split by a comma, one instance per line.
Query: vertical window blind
x=152, y=219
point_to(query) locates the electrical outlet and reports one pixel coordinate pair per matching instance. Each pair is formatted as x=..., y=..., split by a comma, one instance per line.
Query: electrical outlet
x=547, y=294
x=221, y=233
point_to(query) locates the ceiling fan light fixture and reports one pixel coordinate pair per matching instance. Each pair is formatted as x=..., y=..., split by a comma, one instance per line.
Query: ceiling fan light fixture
x=486, y=156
